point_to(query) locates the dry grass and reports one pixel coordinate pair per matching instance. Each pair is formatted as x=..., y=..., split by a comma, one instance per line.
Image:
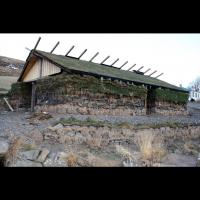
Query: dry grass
x=29, y=146
x=128, y=158
x=72, y=160
x=39, y=116
x=151, y=147
x=96, y=161
x=124, y=152
x=191, y=148
x=94, y=142
x=12, y=152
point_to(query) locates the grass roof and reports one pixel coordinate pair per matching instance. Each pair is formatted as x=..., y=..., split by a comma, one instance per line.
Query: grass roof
x=102, y=70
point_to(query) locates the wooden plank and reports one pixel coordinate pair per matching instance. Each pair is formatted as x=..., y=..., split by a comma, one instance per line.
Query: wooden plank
x=30, y=64
x=5, y=99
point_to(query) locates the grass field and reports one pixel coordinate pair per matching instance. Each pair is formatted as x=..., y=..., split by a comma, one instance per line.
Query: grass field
x=6, y=82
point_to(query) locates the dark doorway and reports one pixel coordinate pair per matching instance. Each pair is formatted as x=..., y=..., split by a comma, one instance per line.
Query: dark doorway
x=151, y=101
x=2, y=161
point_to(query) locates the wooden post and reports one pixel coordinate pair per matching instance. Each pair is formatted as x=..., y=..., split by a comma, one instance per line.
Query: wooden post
x=41, y=61
x=33, y=96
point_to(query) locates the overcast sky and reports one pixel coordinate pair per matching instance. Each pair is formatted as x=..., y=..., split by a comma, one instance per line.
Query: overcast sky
x=175, y=55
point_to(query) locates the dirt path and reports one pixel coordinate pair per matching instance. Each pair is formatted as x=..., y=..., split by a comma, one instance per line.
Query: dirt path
x=17, y=123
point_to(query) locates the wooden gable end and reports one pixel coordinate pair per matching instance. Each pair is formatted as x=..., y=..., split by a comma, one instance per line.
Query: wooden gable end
x=38, y=68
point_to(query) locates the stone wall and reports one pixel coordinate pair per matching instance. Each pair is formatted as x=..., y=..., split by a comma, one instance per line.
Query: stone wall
x=103, y=136
x=94, y=105
x=166, y=108
x=74, y=94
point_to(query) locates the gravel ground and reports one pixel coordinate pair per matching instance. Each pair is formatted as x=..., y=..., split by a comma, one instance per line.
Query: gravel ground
x=17, y=123
x=156, y=119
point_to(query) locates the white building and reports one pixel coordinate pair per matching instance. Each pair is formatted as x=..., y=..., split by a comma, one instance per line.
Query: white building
x=194, y=95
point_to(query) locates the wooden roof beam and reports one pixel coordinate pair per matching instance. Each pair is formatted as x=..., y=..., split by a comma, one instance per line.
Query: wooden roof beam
x=55, y=47
x=105, y=59
x=159, y=75
x=82, y=53
x=152, y=73
x=94, y=57
x=123, y=64
x=37, y=44
x=147, y=70
x=131, y=67
x=114, y=62
x=69, y=50
x=140, y=68
x=27, y=49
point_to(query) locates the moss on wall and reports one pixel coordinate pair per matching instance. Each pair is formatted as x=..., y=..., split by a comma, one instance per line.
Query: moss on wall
x=21, y=89
x=90, y=84
x=171, y=96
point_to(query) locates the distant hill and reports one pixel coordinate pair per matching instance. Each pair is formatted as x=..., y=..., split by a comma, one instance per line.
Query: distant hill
x=10, y=69
x=5, y=61
x=10, y=66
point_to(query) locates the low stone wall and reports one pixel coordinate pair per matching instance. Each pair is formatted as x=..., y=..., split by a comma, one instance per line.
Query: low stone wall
x=54, y=145
x=166, y=108
x=101, y=136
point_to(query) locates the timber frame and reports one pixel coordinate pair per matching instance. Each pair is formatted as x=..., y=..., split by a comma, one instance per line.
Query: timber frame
x=35, y=54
